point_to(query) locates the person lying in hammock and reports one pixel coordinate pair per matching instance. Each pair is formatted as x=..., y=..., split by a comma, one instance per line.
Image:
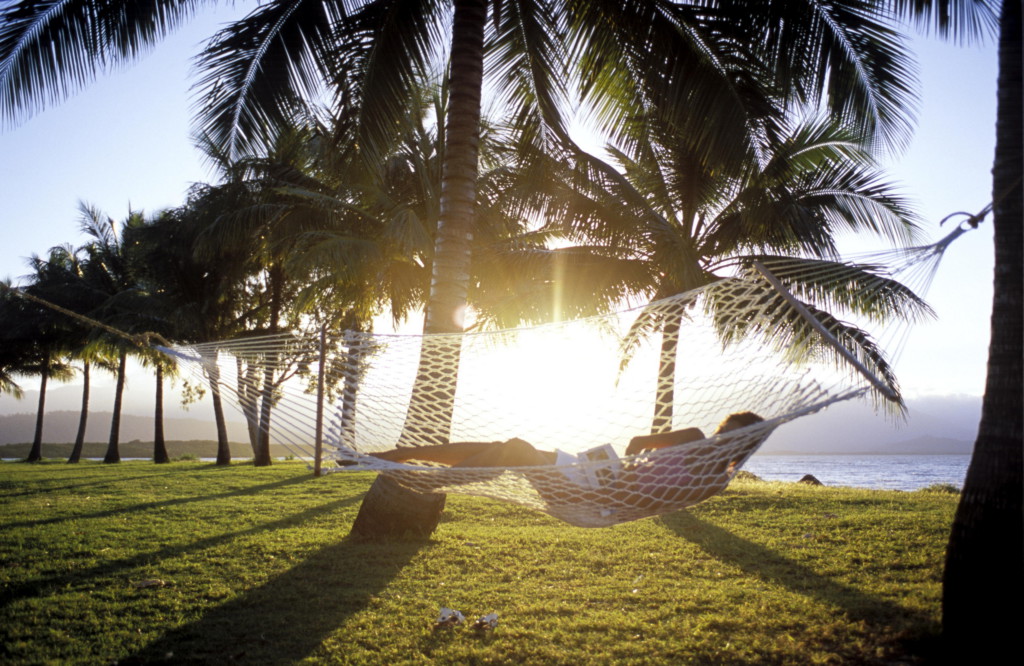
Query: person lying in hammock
x=647, y=482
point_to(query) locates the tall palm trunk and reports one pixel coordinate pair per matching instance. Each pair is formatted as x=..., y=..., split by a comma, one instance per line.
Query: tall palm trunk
x=387, y=510
x=83, y=418
x=985, y=557
x=223, y=446
x=113, y=447
x=261, y=457
x=262, y=453
x=36, y=453
x=248, y=399
x=665, y=395
x=159, y=445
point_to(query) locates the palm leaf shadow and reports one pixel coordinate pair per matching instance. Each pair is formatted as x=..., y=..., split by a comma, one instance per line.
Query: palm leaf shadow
x=292, y=614
x=773, y=567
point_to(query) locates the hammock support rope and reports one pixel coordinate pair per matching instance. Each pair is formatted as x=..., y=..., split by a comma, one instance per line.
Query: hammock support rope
x=744, y=344
x=571, y=386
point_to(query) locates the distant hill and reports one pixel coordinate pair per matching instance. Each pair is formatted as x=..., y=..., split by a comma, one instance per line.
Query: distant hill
x=140, y=449
x=62, y=426
x=933, y=425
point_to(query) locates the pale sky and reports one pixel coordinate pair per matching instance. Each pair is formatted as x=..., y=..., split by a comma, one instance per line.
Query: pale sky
x=124, y=141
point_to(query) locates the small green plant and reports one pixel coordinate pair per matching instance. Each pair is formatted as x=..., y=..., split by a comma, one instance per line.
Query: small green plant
x=947, y=488
x=744, y=475
x=187, y=457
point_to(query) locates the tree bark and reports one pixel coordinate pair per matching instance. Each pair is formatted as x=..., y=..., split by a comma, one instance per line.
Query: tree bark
x=248, y=400
x=35, y=454
x=159, y=445
x=113, y=447
x=985, y=557
x=388, y=510
x=223, y=445
x=262, y=453
x=391, y=511
x=83, y=418
x=664, y=404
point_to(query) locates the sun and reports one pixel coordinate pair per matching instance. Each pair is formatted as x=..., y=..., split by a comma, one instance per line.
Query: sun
x=554, y=386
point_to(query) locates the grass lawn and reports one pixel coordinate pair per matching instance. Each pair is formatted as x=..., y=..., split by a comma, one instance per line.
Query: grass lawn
x=191, y=563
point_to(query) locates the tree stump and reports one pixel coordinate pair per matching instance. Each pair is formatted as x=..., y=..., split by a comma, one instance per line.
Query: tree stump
x=391, y=511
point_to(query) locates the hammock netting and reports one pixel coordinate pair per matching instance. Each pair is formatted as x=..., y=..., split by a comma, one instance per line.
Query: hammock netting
x=743, y=344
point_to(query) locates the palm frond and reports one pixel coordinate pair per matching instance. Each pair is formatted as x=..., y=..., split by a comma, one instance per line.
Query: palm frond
x=525, y=62
x=755, y=310
x=864, y=290
x=259, y=71
x=50, y=49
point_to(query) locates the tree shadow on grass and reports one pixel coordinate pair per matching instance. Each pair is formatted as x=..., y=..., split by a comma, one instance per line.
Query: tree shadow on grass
x=41, y=587
x=291, y=615
x=775, y=568
x=162, y=504
x=57, y=484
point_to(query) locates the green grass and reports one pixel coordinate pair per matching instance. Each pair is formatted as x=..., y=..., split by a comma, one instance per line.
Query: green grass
x=253, y=566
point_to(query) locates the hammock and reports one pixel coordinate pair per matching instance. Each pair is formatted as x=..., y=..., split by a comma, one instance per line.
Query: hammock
x=751, y=342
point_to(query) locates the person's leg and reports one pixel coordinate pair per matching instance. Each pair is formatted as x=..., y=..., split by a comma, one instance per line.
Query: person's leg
x=513, y=453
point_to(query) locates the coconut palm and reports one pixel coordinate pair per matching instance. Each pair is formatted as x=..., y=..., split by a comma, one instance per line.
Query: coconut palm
x=741, y=64
x=107, y=276
x=200, y=293
x=689, y=222
x=59, y=279
x=54, y=338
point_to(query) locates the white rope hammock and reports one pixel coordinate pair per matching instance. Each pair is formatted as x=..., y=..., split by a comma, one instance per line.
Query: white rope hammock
x=745, y=344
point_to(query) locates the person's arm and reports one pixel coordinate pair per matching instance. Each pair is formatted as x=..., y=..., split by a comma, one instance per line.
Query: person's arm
x=661, y=440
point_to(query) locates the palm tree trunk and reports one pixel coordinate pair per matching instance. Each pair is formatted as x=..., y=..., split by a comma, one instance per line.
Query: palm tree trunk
x=449, y=282
x=350, y=389
x=159, y=445
x=248, y=400
x=664, y=399
x=36, y=453
x=262, y=454
x=223, y=446
x=83, y=419
x=985, y=557
x=113, y=447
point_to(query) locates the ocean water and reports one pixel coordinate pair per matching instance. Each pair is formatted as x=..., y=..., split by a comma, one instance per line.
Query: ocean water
x=879, y=472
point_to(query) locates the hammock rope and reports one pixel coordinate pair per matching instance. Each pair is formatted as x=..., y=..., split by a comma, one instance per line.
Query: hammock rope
x=563, y=386
x=584, y=388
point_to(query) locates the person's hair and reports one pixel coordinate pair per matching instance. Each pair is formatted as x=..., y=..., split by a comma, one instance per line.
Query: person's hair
x=738, y=420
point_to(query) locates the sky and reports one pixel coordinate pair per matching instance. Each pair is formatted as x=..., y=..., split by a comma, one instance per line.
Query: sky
x=124, y=143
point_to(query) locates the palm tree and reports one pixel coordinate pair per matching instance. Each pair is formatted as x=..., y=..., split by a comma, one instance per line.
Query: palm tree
x=986, y=544
x=200, y=293
x=688, y=221
x=742, y=65
x=59, y=279
x=107, y=275
x=52, y=337
x=12, y=357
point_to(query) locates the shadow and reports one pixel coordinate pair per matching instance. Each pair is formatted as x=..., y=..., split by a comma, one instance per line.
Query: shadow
x=291, y=615
x=148, y=506
x=41, y=586
x=43, y=486
x=772, y=567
